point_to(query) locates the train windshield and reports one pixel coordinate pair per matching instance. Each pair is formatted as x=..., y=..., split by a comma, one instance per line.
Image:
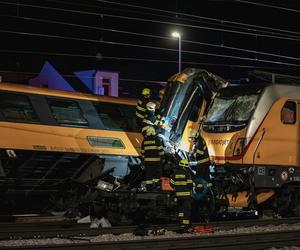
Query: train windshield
x=230, y=113
x=184, y=97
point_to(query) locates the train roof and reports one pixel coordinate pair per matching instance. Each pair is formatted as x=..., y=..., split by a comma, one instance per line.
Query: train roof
x=60, y=93
x=256, y=88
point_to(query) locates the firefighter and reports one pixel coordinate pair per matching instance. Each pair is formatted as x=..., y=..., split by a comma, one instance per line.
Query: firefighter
x=151, y=120
x=181, y=182
x=200, y=153
x=152, y=152
x=141, y=106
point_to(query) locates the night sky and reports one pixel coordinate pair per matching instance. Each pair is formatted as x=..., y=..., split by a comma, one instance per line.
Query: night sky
x=133, y=37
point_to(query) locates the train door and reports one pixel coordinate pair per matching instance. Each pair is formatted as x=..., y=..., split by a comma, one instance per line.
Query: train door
x=290, y=120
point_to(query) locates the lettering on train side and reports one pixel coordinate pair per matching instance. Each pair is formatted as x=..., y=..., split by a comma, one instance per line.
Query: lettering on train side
x=39, y=147
x=219, y=142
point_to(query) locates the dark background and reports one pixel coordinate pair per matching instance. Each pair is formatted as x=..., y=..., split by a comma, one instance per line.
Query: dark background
x=227, y=37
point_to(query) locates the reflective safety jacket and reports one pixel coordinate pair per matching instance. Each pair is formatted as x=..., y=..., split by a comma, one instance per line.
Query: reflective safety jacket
x=200, y=152
x=140, y=110
x=150, y=119
x=181, y=182
x=152, y=150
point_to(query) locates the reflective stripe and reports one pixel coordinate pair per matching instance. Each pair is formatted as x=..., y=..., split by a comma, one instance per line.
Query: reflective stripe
x=180, y=183
x=200, y=152
x=155, y=180
x=161, y=153
x=209, y=184
x=189, y=181
x=186, y=222
x=180, y=176
x=149, y=181
x=199, y=185
x=156, y=122
x=145, y=128
x=149, y=142
x=148, y=122
x=143, y=151
x=171, y=181
x=203, y=161
x=180, y=214
x=150, y=147
x=204, y=147
x=140, y=108
x=183, y=193
x=160, y=147
x=139, y=115
x=151, y=159
x=140, y=102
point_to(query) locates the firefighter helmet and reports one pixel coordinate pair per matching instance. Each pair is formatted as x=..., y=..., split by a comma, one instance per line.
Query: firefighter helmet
x=146, y=91
x=150, y=106
x=150, y=131
x=161, y=92
x=184, y=163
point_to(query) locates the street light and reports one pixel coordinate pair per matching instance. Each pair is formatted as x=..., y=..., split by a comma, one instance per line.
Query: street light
x=177, y=34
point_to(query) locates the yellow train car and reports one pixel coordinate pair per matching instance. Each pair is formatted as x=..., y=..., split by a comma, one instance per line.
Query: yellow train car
x=48, y=136
x=252, y=133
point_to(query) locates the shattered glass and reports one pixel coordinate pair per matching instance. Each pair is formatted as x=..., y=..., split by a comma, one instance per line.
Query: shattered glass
x=232, y=110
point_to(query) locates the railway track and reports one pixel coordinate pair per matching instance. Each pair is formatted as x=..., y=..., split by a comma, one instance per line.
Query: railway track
x=234, y=242
x=73, y=229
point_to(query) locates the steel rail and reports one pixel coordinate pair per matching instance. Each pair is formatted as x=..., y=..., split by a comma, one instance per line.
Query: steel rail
x=65, y=230
x=233, y=242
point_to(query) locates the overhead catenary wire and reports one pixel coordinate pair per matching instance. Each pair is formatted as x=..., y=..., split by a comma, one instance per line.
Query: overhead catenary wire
x=195, y=16
x=160, y=22
x=211, y=21
x=74, y=76
x=268, y=5
x=150, y=47
x=153, y=36
x=135, y=59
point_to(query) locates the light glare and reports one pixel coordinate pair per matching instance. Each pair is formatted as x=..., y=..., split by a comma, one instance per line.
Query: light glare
x=176, y=34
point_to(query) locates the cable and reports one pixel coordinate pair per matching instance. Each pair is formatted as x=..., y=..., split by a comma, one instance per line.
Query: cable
x=220, y=22
x=73, y=76
x=269, y=6
x=137, y=59
x=194, y=16
x=151, y=47
x=160, y=22
x=152, y=36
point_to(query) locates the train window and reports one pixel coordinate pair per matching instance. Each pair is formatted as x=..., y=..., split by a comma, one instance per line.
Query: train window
x=288, y=113
x=67, y=113
x=17, y=108
x=117, y=117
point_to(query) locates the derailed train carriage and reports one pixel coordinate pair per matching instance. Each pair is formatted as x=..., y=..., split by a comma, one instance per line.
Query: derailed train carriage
x=82, y=151
x=52, y=139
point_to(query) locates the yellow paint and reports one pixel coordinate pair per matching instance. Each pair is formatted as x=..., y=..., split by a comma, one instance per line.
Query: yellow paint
x=56, y=138
x=242, y=198
x=64, y=139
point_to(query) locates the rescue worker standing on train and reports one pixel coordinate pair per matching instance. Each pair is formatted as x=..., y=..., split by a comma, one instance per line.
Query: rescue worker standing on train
x=181, y=182
x=140, y=110
x=153, y=153
x=150, y=119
